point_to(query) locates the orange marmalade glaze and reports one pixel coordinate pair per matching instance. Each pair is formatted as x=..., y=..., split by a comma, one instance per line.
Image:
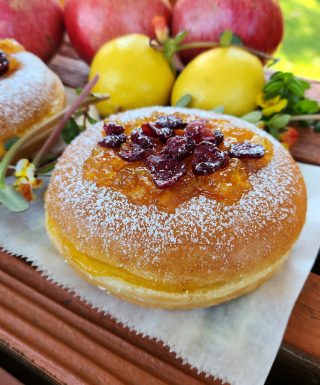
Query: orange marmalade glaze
x=9, y=47
x=105, y=168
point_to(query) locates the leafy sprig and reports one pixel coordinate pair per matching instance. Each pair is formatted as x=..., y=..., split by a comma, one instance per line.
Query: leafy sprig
x=285, y=86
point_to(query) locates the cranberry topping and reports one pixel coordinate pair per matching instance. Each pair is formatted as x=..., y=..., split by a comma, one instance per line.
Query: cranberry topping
x=132, y=153
x=179, y=147
x=163, y=133
x=138, y=137
x=165, y=171
x=113, y=141
x=216, y=137
x=246, y=150
x=165, y=163
x=113, y=129
x=170, y=121
x=208, y=159
x=148, y=129
x=4, y=63
x=197, y=129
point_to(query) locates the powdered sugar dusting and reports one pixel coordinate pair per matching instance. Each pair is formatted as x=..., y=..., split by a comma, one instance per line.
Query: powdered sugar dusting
x=201, y=220
x=26, y=94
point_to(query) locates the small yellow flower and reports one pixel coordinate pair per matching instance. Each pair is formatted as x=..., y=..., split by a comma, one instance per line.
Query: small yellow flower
x=26, y=180
x=271, y=106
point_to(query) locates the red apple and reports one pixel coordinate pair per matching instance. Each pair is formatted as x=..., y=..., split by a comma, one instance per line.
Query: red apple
x=258, y=23
x=90, y=23
x=36, y=24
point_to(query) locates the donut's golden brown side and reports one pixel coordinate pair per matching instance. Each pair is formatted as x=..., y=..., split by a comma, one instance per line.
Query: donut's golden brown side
x=29, y=95
x=203, y=254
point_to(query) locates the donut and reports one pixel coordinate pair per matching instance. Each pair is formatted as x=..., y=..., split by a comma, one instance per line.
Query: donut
x=175, y=208
x=30, y=92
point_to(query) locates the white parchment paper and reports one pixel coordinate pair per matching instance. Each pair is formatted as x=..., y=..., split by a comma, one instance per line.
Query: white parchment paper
x=236, y=341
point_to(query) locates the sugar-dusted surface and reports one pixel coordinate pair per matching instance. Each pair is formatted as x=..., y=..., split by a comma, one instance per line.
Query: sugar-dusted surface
x=203, y=241
x=28, y=94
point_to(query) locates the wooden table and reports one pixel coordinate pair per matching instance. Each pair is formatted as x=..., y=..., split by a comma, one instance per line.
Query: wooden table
x=49, y=336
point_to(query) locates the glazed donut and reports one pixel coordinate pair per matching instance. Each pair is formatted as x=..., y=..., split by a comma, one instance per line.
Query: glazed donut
x=193, y=231
x=30, y=92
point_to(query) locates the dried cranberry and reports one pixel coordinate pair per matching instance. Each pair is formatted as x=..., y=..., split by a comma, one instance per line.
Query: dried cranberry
x=138, y=137
x=246, y=150
x=218, y=136
x=165, y=133
x=196, y=130
x=113, y=141
x=150, y=129
x=179, y=147
x=4, y=63
x=170, y=121
x=203, y=168
x=113, y=129
x=132, y=153
x=208, y=159
x=165, y=171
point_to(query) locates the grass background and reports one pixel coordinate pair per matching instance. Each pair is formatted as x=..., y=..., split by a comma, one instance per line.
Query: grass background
x=300, y=50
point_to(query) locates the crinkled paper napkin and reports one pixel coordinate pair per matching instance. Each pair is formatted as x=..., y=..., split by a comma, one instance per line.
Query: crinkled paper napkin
x=236, y=342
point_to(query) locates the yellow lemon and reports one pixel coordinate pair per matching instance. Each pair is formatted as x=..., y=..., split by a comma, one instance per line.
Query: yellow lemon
x=230, y=77
x=132, y=73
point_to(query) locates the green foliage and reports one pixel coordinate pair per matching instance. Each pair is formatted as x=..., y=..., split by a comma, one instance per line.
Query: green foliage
x=252, y=117
x=12, y=200
x=300, y=49
x=287, y=86
x=47, y=168
x=218, y=109
x=184, y=101
x=228, y=38
x=10, y=142
x=70, y=131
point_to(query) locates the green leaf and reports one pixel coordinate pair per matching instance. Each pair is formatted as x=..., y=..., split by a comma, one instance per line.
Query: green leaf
x=91, y=120
x=46, y=168
x=184, y=101
x=180, y=37
x=272, y=89
x=78, y=90
x=12, y=200
x=226, y=38
x=10, y=142
x=70, y=131
x=296, y=89
x=273, y=131
x=236, y=40
x=277, y=75
x=218, y=109
x=306, y=106
x=279, y=121
x=252, y=117
x=304, y=84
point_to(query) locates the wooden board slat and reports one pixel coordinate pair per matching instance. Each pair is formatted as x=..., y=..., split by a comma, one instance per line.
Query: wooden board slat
x=35, y=301
x=47, y=324
x=303, y=331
